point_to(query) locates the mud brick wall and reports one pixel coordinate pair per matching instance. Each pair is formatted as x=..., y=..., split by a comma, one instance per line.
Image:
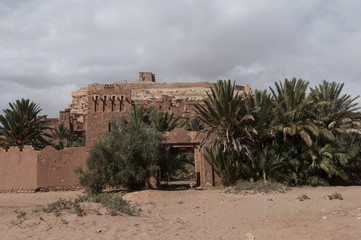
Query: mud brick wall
x=55, y=169
x=18, y=169
x=28, y=170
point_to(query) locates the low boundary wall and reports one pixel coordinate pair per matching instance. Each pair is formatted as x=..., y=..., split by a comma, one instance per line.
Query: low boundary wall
x=29, y=170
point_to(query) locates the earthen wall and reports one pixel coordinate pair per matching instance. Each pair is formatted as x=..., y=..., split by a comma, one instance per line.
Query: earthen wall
x=18, y=169
x=48, y=169
x=55, y=168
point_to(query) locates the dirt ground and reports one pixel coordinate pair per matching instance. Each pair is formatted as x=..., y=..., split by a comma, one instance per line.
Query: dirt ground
x=193, y=214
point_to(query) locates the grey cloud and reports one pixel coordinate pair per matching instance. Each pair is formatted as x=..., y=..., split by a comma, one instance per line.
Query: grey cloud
x=51, y=45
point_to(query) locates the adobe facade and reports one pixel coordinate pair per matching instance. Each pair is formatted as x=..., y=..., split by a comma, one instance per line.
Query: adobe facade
x=90, y=112
x=93, y=107
x=30, y=170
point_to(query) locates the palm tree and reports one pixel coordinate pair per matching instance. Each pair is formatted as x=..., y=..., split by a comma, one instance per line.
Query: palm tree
x=21, y=125
x=264, y=154
x=139, y=114
x=307, y=139
x=61, y=135
x=195, y=124
x=295, y=113
x=166, y=121
x=261, y=103
x=335, y=107
x=225, y=112
x=230, y=129
x=223, y=164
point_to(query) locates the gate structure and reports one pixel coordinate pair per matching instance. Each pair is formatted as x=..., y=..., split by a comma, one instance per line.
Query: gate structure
x=181, y=138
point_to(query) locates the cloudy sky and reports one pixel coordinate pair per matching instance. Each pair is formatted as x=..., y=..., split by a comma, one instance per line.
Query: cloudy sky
x=49, y=48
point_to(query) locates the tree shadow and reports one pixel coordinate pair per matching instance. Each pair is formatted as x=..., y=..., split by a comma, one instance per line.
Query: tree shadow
x=176, y=185
x=354, y=178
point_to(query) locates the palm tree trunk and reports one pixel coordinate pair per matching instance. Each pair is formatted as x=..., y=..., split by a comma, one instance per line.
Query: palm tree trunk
x=264, y=175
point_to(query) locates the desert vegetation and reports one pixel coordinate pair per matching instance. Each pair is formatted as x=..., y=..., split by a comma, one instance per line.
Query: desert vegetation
x=21, y=125
x=132, y=152
x=61, y=137
x=293, y=135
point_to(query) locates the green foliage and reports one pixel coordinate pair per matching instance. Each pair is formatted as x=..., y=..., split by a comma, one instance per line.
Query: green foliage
x=335, y=106
x=175, y=162
x=114, y=203
x=303, y=197
x=20, y=125
x=260, y=103
x=231, y=129
x=264, y=163
x=60, y=205
x=304, y=165
x=76, y=141
x=20, y=216
x=249, y=187
x=306, y=152
x=225, y=112
x=227, y=168
x=295, y=112
x=165, y=122
x=195, y=124
x=335, y=196
x=296, y=138
x=347, y=150
x=61, y=135
x=127, y=156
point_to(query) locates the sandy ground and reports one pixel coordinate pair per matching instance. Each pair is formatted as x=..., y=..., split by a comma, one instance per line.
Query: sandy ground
x=193, y=214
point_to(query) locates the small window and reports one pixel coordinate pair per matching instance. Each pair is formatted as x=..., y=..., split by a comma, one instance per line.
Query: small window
x=95, y=103
x=113, y=103
x=121, y=103
x=104, y=103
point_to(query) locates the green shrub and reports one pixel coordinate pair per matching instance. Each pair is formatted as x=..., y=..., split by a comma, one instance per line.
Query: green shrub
x=61, y=205
x=335, y=196
x=114, y=203
x=247, y=187
x=221, y=161
x=303, y=197
x=126, y=157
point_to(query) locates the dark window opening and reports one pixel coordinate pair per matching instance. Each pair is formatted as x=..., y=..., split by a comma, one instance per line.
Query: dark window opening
x=121, y=103
x=95, y=103
x=104, y=103
x=113, y=103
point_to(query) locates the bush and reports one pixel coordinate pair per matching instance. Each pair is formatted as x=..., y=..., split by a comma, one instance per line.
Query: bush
x=221, y=161
x=303, y=197
x=127, y=156
x=247, y=187
x=335, y=196
x=114, y=203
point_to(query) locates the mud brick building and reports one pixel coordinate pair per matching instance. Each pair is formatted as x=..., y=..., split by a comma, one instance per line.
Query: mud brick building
x=93, y=107
x=90, y=112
